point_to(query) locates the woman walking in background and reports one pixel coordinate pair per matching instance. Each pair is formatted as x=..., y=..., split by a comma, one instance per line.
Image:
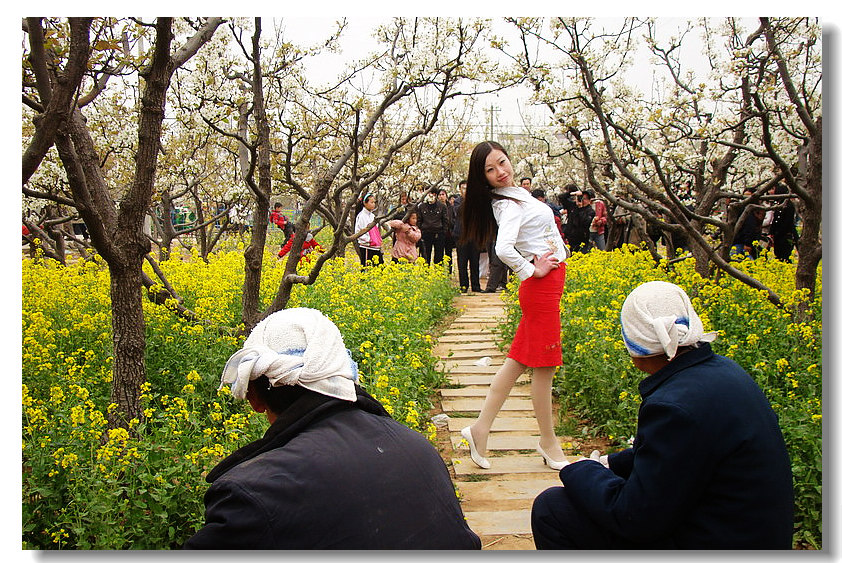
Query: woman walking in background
x=407, y=235
x=371, y=241
x=530, y=244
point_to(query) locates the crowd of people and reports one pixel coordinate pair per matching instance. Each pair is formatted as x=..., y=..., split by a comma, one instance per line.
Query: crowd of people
x=708, y=467
x=584, y=221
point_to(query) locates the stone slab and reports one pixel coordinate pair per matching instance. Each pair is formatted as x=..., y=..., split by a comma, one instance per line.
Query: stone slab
x=500, y=489
x=502, y=522
x=471, y=379
x=475, y=306
x=471, y=356
x=502, y=442
x=478, y=379
x=468, y=356
x=500, y=424
x=487, y=318
x=468, y=368
x=502, y=465
x=461, y=337
x=464, y=345
x=488, y=325
x=517, y=391
x=468, y=330
x=475, y=404
x=465, y=365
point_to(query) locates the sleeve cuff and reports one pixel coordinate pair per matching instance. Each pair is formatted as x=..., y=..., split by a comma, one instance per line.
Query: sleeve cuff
x=526, y=271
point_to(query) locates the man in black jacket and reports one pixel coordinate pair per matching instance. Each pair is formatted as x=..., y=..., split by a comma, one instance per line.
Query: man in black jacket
x=434, y=224
x=783, y=231
x=708, y=468
x=333, y=471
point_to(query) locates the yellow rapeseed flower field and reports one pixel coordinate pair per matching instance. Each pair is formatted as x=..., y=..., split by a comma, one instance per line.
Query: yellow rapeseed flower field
x=87, y=487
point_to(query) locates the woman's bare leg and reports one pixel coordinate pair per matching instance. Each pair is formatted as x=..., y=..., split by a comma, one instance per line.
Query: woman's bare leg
x=501, y=385
x=542, y=402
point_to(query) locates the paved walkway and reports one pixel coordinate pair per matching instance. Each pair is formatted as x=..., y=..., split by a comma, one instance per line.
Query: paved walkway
x=496, y=501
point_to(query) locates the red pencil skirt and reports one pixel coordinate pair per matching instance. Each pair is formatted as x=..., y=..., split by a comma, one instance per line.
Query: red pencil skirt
x=537, y=342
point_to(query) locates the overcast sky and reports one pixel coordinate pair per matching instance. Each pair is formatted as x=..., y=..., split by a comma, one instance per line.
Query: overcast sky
x=357, y=41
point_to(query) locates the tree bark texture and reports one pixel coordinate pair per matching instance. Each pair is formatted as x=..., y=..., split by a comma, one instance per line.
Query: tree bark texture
x=262, y=192
x=56, y=95
x=810, y=243
x=129, y=340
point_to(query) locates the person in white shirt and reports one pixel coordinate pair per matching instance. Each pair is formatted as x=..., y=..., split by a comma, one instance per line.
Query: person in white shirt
x=530, y=244
x=371, y=241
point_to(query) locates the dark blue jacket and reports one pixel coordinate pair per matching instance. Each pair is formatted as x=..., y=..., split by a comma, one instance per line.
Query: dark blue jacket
x=708, y=470
x=331, y=474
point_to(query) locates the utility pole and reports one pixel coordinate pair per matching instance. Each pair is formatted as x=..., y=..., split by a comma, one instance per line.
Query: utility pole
x=491, y=111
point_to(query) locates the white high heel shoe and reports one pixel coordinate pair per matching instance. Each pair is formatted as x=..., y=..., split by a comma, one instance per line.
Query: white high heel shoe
x=550, y=461
x=475, y=457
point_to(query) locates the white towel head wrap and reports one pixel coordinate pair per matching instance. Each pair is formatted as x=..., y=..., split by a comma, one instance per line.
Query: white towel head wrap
x=657, y=317
x=294, y=347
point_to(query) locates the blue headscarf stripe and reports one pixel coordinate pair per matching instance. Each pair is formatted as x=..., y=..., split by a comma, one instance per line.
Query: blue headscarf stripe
x=633, y=346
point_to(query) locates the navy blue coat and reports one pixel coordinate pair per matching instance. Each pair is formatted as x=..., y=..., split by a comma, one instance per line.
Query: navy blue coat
x=331, y=474
x=708, y=468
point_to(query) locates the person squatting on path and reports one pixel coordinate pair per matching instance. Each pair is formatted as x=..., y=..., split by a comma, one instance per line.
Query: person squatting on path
x=530, y=244
x=708, y=469
x=334, y=470
x=371, y=241
x=407, y=235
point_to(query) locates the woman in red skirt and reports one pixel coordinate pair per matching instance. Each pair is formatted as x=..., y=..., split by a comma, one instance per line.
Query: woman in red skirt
x=529, y=243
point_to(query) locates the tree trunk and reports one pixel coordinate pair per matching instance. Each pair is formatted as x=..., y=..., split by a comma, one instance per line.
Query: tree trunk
x=57, y=98
x=201, y=233
x=118, y=234
x=699, y=253
x=810, y=242
x=254, y=263
x=167, y=228
x=260, y=219
x=129, y=340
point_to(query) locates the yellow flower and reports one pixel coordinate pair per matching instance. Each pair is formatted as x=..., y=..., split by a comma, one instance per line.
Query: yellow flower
x=77, y=415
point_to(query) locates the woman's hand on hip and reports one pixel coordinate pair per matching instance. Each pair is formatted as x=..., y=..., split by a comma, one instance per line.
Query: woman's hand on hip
x=544, y=265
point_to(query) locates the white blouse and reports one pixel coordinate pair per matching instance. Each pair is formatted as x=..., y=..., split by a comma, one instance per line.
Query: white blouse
x=363, y=219
x=526, y=230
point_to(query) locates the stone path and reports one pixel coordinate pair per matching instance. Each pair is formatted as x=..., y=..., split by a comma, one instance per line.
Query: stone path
x=496, y=501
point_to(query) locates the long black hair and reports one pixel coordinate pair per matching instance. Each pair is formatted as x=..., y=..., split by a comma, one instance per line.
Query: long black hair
x=478, y=225
x=361, y=202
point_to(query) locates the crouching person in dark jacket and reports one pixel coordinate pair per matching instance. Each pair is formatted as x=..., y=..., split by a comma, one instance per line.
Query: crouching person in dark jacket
x=708, y=468
x=333, y=471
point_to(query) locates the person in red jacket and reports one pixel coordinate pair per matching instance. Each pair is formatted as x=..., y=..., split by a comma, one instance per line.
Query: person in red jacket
x=278, y=218
x=309, y=246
